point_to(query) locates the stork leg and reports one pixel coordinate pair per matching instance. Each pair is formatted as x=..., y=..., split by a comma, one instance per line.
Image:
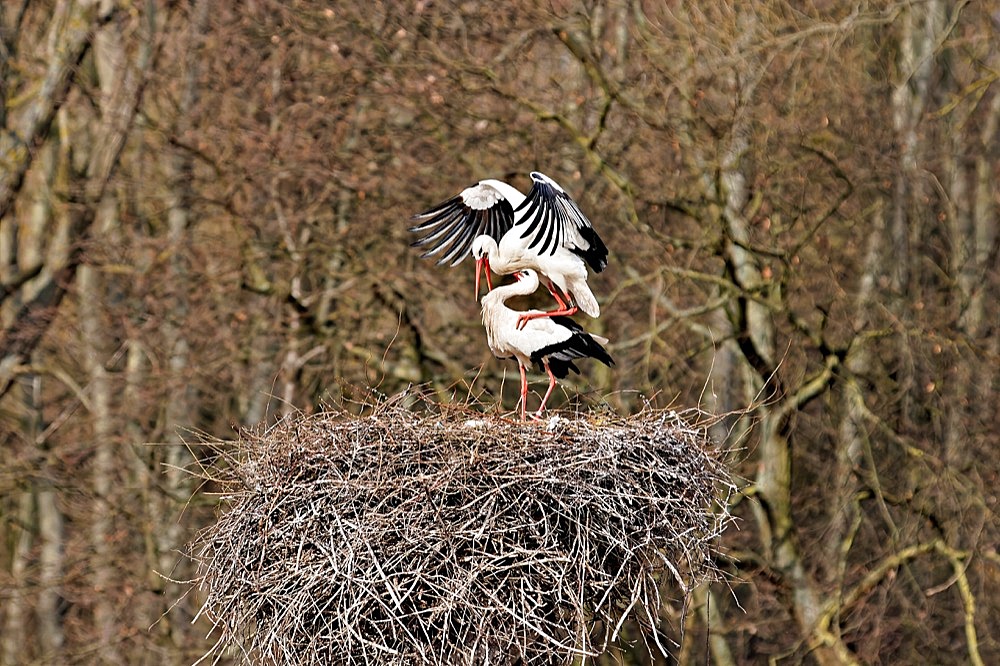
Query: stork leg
x=563, y=304
x=552, y=385
x=565, y=307
x=524, y=391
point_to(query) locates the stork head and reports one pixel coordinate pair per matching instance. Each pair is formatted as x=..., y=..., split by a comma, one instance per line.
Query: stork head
x=482, y=247
x=527, y=274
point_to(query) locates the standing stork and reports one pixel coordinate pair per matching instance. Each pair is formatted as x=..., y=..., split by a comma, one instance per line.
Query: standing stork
x=551, y=343
x=507, y=231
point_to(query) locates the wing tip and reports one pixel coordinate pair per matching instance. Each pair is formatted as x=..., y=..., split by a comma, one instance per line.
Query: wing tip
x=541, y=178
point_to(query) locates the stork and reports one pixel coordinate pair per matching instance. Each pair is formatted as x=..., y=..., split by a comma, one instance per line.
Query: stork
x=551, y=343
x=506, y=231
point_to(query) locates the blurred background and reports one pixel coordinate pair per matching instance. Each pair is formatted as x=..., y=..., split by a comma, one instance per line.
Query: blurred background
x=203, y=227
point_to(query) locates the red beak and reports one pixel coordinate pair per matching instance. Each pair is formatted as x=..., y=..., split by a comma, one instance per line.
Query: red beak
x=479, y=270
x=483, y=265
x=480, y=264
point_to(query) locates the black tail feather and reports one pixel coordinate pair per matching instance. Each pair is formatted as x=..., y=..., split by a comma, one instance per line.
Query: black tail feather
x=562, y=354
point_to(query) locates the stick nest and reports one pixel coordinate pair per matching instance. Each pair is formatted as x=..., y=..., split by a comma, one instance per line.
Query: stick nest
x=448, y=537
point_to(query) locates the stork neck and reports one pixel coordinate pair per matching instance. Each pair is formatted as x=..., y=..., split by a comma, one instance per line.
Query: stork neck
x=522, y=287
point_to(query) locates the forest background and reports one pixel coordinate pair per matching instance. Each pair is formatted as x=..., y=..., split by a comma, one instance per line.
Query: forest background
x=203, y=213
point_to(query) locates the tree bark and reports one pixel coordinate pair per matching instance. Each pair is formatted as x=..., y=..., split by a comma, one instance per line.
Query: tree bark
x=982, y=300
x=19, y=339
x=70, y=34
x=179, y=407
x=17, y=604
x=51, y=567
x=92, y=294
x=111, y=64
x=850, y=432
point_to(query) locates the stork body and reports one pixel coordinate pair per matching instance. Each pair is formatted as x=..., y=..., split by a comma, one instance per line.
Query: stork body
x=551, y=343
x=506, y=231
x=564, y=272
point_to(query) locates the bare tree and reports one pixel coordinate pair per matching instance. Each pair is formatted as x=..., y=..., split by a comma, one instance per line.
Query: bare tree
x=203, y=217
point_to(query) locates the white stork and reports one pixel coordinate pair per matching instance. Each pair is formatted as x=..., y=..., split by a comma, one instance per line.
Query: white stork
x=506, y=231
x=551, y=343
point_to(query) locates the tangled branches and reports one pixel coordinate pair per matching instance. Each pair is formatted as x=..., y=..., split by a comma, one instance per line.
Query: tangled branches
x=452, y=538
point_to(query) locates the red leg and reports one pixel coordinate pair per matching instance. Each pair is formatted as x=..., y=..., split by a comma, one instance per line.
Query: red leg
x=524, y=391
x=552, y=385
x=555, y=294
x=525, y=318
x=565, y=308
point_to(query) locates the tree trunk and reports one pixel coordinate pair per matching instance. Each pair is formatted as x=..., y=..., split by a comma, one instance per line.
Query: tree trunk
x=69, y=38
x=50, y=574
x=92, y=294
x=110, y=63
x=982, y=302
x=179, y=408
x=17, y=603
x=920, y=25
x=919, y=28
x=851, y=430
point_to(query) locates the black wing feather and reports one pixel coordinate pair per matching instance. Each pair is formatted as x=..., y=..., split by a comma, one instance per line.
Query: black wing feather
x=531, y=216
x=559, y=367
x=596, y=255
x=561, y=355
x=551, y=216
x=463, y=242
x=450, y=227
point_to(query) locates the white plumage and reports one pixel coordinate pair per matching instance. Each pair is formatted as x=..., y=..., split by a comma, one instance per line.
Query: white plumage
x=551, y=343
x=506, y=231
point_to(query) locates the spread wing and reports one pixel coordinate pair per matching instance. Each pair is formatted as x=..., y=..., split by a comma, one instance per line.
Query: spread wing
x=551, y=219
x=450, y=227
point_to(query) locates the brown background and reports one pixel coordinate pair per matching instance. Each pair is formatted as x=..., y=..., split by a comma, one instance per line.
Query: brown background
x=203, y=212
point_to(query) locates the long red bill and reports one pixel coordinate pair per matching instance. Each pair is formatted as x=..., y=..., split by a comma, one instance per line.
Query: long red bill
x=479, y=270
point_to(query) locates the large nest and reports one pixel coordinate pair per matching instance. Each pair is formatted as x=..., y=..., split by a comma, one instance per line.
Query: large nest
x=448, y=537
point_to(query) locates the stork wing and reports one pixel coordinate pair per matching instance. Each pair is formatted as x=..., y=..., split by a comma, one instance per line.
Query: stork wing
x=553, y=220
x=579, y=344
x=451, y=226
